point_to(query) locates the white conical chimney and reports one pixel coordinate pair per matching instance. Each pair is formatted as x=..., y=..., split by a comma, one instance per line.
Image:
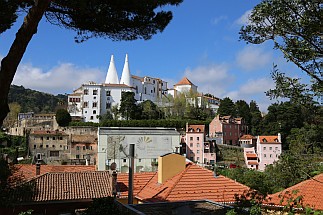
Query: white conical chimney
x=126, y=77
x=112, y=76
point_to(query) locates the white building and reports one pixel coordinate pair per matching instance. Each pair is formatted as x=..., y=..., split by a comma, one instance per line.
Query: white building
x=150, y=143
x=92, y=100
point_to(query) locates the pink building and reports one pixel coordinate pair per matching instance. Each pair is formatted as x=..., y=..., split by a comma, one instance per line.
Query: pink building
x=197, y=149
x=251, y=158
x=227, y=129
x=269, y=148
x=195, y=142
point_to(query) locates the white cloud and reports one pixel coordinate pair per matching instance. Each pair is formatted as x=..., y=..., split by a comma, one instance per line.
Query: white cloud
x=253, y=89
x=252, y=58
x=212, y=78
x=218, y=19
x=244, y=19
x=63, y=78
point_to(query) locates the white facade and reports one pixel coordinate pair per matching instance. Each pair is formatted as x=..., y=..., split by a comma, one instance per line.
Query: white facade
x=92, y=100
x=150, y=143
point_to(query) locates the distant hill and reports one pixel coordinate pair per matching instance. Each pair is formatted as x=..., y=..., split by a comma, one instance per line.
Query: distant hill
x=35, y=101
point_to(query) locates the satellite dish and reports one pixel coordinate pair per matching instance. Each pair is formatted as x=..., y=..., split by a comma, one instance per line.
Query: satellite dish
x=113, y=166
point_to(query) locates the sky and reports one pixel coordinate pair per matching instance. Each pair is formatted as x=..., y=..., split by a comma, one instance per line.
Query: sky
x=200, y=43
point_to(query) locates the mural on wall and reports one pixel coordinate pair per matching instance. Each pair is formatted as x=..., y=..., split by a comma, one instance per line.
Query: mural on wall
x=149, y=146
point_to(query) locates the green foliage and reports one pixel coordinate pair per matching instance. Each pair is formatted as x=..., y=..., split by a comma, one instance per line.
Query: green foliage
x=149, y=110
x=128, y=108
x=8, y=14
x=103, y=206
x=227, y=108
x=243, y=110
x=294, y=27
x=29, y=212
x=63, y=117
x=35, y=101
x=256, y=119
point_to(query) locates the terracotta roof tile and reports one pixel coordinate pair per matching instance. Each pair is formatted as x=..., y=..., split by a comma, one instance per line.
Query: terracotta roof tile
x=140, y=180
x=83, y=139
x=138, y=78
x=184, y=81
x=247, y=137
x=311, y=190
x=194, y=183
x=251, y=155
x=253, y=163
x=195, y=128
x=268, y=139
x=70, y=186
x=28, y=171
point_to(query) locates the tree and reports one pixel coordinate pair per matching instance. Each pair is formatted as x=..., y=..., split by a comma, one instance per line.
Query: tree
x=63, y=117
x=256, y=118
x=117, y=20
x=149, y=110
x=295, y=29
x=243, y=110
x=128, y=105
x=227, y=107
x=12, y=117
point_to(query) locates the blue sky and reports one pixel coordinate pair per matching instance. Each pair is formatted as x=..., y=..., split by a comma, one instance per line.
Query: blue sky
x=201, y=43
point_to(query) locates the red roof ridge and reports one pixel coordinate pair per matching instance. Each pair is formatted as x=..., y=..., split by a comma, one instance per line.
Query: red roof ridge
x=188, y=165
x=146, y=183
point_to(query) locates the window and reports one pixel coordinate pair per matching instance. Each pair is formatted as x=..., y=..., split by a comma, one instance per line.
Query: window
x=108, y=105
x=60, y=146
x=47, y=138
x=34, y=146
x=91, y=117
x=108, y=93
x=270, y=155
x=77, y=156
x=95, y=92
x=198, y=145
x=94, y=111
x=265, y=155
x=60, y=138
x=54, y=153
x=53, y=138
x=77, y=148
x=265, y=148
x=197, y=158
x=191, y=144
x=46, y=146
x=197, y=138
x=139, y=160
x=41, y=146
x=83, y=147
x=276, y=148
x=85, y=104
x=197, y=151
x=191, y=138
x=124, y=160
x=270, y=148
x=94, y=104
x=86, y=92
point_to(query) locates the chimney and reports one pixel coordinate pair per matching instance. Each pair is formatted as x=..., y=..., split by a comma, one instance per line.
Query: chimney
x=170, y=165
x=113, y=167
x=38, y=168
x=131, y=171
x=279, y=137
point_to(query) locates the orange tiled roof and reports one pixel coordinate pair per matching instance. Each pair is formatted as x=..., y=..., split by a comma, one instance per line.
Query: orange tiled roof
x=116, y=85
x=46, y=132
x=311, y=190
x=140, y=180
x=196, y=127
x=268, y=139
x=251, y=155
x=138, y=78
x=194, y=183
x=253, y=163
x=184, y=81
x=247, y=137
x=28, y=171
x=70, y=186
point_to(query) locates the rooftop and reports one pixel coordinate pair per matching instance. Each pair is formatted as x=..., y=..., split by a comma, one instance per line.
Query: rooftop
x=268, y=139
x=311, y=190
x=184, y=81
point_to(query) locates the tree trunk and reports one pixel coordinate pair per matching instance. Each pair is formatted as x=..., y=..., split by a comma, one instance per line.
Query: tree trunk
x=9, y=64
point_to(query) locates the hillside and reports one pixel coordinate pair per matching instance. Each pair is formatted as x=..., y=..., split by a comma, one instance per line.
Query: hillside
x=35, y=101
